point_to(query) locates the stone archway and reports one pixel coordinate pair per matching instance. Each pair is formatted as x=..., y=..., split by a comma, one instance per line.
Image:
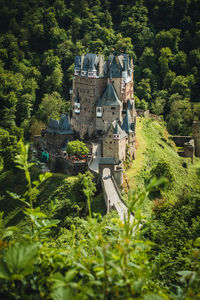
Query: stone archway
x=106, y=173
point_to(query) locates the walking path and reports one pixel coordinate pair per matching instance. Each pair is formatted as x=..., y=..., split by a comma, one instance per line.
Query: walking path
x=113, y=198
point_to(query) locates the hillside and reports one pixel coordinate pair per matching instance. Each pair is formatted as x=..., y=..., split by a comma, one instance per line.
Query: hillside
x=154, y=144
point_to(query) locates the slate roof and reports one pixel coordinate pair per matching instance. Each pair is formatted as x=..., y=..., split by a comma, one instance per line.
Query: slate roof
x=113, y=67
x=90, y=62
x=127, y=122
x=117, y=64
x=107, y=161
x=118, y=130
x=77, y=62
x=130, y=105
x=109, y=97
x=61, y=126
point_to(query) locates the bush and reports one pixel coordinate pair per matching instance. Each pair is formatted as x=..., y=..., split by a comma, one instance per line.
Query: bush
x=162, y=169
x=77, y=148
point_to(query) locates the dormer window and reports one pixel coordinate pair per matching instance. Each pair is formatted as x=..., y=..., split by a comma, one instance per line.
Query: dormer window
x=77, y=108
x=92, y=74
x=76, y=72
x=83, y=73
x=99, y=112
x=116, y=136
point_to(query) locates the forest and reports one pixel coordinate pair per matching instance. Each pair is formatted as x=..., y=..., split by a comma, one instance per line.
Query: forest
x=56, y=240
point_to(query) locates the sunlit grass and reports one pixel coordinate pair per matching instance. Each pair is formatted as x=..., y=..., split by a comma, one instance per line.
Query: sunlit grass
x=154, y=145
x=140, y=160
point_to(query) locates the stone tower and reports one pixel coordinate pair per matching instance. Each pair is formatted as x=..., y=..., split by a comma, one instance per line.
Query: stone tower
x=196, y=135
x=102, y=91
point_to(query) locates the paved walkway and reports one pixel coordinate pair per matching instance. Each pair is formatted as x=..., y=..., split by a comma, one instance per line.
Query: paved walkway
x=94, y=165
x=114, y=198
x=109, y=187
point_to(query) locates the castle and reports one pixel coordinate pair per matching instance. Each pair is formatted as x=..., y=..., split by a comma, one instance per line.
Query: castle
x=102, y=113
x=102, y=103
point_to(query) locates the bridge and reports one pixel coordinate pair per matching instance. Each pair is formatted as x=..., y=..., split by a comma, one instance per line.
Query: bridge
x=112, y=196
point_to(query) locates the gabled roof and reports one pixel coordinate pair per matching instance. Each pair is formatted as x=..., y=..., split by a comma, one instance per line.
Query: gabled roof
x=109, y=97
x=107, y=161
x=61, y=126
x=127, y=122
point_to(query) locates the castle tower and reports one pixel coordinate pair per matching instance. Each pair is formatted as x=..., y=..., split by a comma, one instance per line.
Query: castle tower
x=88, y=86
x=196, y=135
x=101, y=91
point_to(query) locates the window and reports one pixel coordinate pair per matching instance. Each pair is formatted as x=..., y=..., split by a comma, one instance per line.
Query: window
x=112, y=107
x=113, y=113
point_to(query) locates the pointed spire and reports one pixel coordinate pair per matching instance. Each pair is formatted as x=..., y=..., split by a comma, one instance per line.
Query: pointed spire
x=127, y=122
x=118, y=132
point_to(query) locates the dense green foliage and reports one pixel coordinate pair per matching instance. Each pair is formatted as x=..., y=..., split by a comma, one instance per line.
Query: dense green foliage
x=77, y=148
x=37, y=54
x=89, y=256
x=95, y=258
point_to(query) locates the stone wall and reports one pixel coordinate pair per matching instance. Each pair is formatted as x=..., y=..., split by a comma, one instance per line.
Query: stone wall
x=189, y=149
x=196, y=135
x=60, y=164
x=142, y=113
x=118, y=176
x=89, y=89
x=113, y=147
x=110, y=113
x=180, y=140
x=55, y=140
x=39, y=142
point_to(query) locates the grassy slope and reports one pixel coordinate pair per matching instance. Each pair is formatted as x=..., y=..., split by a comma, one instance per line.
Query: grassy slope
x=16, y=183
x=153, y=144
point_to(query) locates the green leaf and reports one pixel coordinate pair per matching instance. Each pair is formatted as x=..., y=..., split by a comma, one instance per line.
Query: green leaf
x=20, y=258
x=4, y=272
x=153, y=297
x=62, y=293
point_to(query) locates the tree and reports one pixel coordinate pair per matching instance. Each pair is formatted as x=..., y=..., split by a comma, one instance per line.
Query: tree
x=52, y=106
x=143, y=90
x=169, y=38
x=179, y=120
x=164, y=60
x=35, y=128
x=77, y=148
x=8, y=149
x=181, y=85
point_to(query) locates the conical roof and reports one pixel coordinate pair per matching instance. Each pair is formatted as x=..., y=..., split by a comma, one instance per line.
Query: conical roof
x=118, y=130
x=109, y=97
x=127, y=122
